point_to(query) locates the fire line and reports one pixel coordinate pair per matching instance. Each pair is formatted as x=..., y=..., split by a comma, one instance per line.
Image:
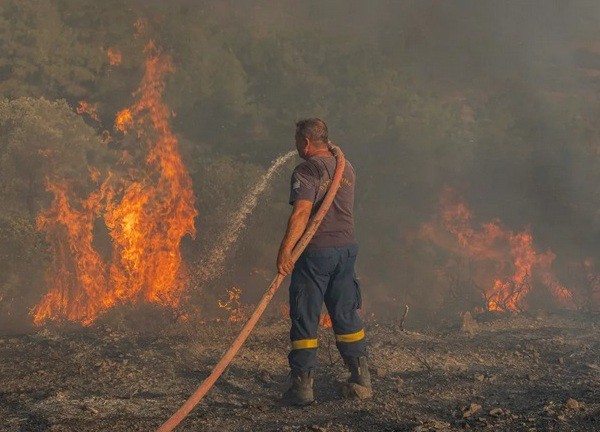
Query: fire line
x=148, y=207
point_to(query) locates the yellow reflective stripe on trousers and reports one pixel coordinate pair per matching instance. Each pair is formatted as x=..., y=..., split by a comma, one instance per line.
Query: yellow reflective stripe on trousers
x=352, y=337
x=304, y=343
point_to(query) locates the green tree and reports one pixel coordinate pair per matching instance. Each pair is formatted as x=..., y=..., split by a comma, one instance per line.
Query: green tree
x=41, y=139
x=40, y=56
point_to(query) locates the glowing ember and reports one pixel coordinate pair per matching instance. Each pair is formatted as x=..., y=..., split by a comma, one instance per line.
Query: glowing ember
x=147, y=212
x=237, y=311
x=124, y=121
x=325, y=320
x=514, y=259
x=114, y=56
x=89, y=109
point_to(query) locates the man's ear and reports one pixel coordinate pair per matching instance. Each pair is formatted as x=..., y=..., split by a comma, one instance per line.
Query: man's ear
x=305, y=145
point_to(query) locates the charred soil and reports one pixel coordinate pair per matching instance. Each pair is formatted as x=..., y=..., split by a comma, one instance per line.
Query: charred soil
x=508, y=373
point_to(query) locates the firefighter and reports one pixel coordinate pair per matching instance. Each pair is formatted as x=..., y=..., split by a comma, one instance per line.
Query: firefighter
x=325, y=271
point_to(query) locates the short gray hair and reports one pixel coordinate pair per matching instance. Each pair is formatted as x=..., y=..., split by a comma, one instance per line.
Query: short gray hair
x=314, y=129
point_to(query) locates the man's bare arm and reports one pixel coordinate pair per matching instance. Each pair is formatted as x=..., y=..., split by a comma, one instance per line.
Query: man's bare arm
x=296, y=226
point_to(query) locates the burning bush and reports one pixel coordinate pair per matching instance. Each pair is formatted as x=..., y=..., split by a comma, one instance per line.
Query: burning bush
x=147, y=205
x=503, y=266
x=39, y=139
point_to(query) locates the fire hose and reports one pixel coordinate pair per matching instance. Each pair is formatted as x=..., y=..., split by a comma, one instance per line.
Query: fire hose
x=309, y=232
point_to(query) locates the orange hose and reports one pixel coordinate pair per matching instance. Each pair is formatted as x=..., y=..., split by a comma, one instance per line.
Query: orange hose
x=310, y=231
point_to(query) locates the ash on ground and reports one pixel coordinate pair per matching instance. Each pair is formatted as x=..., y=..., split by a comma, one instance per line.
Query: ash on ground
x=514, y=373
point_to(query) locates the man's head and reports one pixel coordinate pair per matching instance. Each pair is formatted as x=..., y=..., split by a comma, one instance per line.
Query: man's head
x=311, y=137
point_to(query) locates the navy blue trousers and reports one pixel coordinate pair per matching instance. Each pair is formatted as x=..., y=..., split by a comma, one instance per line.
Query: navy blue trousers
x=325, y=275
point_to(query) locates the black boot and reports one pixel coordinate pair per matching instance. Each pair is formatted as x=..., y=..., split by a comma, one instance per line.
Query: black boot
x=359, y=383
x=300, y=392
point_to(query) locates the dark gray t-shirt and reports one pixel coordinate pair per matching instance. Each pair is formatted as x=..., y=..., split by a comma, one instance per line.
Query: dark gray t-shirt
x=310, y=181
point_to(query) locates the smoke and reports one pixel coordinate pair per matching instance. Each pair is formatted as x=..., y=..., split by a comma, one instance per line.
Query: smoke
x=496, y=100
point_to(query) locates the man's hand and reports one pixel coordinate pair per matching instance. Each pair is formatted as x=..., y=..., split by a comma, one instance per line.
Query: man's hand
x=284, y=262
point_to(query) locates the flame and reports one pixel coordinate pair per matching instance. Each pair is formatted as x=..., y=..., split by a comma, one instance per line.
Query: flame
x=148, y=210
x=513, y=255
x=324, y=318
x=78, y=275
x=233, y=305
x=156, y=210
x=124, y=121
x=114, y=56
x=89, y=109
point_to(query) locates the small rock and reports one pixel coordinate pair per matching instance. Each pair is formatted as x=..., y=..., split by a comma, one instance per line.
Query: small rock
x=351, y=390
x=91, y=409
x=533, y=377
x=496, y=412
x=561, y=361
x=381, y=372
x=572, y=404
x=432, y=425
x=258, y=405
x=472, y=409
x=479, y=377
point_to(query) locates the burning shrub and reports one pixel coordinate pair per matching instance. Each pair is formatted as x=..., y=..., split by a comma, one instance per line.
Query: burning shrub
x=502, y=266
x=39, y=139
x=147, y=205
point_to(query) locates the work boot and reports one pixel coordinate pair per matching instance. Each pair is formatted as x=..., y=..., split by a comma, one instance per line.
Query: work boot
x=359, y=383
x=300, y=392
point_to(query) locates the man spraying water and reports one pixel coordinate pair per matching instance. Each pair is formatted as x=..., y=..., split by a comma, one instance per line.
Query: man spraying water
x=325, y=271
x=301, y=390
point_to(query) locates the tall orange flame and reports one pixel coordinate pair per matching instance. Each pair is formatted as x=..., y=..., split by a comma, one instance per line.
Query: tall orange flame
x=157, y=209
x=148, y=212
x=77, y=275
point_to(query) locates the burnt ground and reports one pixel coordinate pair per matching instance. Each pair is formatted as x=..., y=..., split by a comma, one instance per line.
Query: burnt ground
x=511, y=374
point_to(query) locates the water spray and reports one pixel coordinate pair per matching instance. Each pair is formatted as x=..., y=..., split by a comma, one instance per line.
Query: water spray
x=214, y=265
x=310, y=231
